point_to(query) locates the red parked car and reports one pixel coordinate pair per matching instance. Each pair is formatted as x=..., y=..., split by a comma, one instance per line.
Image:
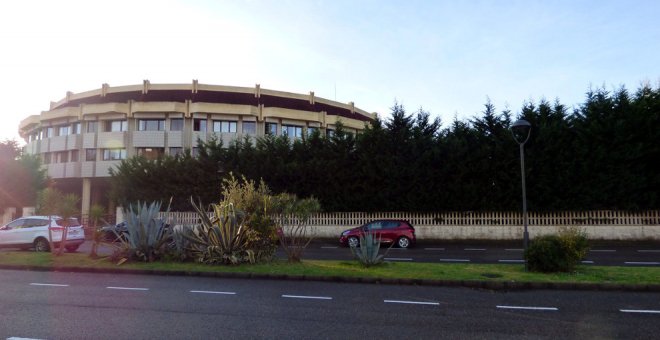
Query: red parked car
x=399, y=231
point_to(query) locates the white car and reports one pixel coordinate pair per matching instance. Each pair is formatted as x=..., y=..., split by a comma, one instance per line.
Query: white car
x=32, y=232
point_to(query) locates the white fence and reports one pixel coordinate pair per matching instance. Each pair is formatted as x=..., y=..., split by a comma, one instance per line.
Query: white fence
x=611, y=225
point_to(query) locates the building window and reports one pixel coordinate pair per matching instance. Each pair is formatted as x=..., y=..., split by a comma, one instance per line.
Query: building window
x=90, y=155
x=114, y=154
x=176, y=151
x=271, y=129
x=329, y=132
x=47, y=157
x=48, y=132
x=176, y=124
x=75, y=128
x=74, y=155
x=199, y=125
x=62, y=157
x=116, y=126
x=151, y=124
x=63, y=130
x=311, y=130
x=292, y=131
x=249, y=128
x=92, y=127
x=224, y=126
x=150, y=153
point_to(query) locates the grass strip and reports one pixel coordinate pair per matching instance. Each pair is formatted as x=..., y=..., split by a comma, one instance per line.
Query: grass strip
x=351, y=269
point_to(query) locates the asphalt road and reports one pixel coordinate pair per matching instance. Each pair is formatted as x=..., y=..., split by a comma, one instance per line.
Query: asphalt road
x=55, y=305
x=602, y=254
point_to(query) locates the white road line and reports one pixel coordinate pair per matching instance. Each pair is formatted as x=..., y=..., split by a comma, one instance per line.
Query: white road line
x=307, y=297
x=17, y=338
x=48, y=284
x=648, y=311
x=529, y=308
x=649, y=251
x=434, y=248
x=513, y=249
x=474, y=249
x=603, y=250
x=588, y=262
x=643, y=263
x=454, y=260
x=412, y=302
x=328, y=247
x=127, y=288
x=511, y=261
x=212, y=292
x=398, y=259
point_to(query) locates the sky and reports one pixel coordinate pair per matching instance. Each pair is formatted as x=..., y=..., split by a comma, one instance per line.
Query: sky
x=446, y=57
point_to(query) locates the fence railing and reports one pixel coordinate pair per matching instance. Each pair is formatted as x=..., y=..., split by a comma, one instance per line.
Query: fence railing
x=468, y=218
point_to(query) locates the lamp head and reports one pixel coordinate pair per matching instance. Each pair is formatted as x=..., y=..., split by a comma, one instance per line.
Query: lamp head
x=521, y=129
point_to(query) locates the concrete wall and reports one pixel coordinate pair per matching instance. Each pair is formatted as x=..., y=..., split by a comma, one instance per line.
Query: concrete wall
x=604, y=232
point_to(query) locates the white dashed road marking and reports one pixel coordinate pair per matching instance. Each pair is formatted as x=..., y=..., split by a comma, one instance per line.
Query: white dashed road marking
x=588, y=262
x=398, y=259
x=212, y=292
x=127, y=288
x=307, y=297
x=412, y=302
x=454, y=260
x=646, y=311
x=529, y=308
x=48, y=284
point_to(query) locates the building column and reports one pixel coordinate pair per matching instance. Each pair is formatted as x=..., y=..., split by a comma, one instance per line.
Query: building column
x=86, y=196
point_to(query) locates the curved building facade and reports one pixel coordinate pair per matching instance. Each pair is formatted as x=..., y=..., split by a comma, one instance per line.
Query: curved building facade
x=85, y=134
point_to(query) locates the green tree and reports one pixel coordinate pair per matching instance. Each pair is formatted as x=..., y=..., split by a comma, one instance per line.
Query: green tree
x=21, y=176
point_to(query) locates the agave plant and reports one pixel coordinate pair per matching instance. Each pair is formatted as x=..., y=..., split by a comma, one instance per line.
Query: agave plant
x=367, y=250
x=222, y=238
x=147, y=235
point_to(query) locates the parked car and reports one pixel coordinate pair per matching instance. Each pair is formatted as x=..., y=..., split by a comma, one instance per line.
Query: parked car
x=399, y=231
x=114, y=232
x=32, y=232
x=118, y=232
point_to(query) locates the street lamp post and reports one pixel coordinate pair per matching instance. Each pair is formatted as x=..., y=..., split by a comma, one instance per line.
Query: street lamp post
x=521, y=129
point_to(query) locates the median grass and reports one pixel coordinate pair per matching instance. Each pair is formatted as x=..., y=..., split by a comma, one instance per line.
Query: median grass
x=397, y=270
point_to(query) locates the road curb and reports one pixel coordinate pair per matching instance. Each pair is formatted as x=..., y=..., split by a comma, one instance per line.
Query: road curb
x=474, y=284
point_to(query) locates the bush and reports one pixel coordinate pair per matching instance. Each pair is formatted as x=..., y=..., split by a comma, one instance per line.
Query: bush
x=557, y=253
x=147, y=235
x=367, y=252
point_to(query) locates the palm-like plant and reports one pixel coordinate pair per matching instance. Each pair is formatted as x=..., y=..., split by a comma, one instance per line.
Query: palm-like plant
x=220, y=238
x=147, y=235
x=367, y=250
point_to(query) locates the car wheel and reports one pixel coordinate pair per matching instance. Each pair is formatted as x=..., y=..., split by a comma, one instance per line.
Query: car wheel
x=353, y=241
x=403, y=242
x=41, y=244
x=71, y=249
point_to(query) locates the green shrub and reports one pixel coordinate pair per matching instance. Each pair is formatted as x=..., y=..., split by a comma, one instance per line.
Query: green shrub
x=557, y=253
x=147, y=238
x=367, y=251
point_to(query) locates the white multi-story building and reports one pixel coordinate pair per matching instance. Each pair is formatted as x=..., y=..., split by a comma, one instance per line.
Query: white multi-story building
x=85, y=134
